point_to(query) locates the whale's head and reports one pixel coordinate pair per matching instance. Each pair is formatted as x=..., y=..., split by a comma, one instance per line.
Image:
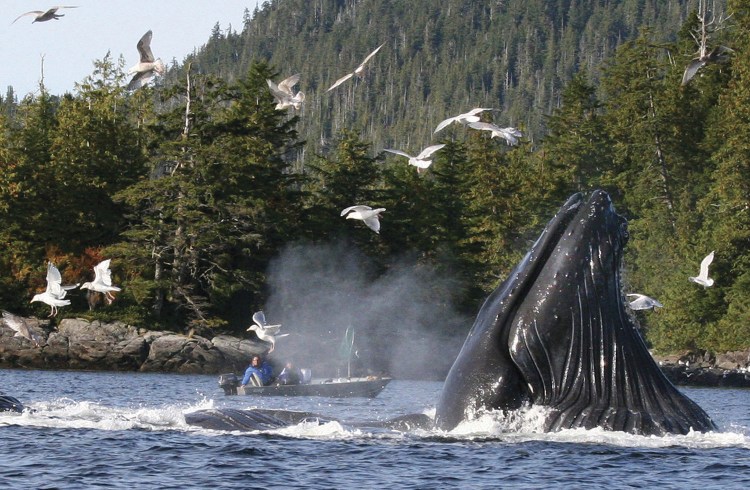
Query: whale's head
x=556, y=333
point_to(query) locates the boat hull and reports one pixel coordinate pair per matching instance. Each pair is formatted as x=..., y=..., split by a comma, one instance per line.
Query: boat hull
x=360, y=387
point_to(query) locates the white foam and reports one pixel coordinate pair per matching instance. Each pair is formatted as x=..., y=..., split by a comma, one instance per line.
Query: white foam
x=528, y=425
x=514, y=427
x=71, y=414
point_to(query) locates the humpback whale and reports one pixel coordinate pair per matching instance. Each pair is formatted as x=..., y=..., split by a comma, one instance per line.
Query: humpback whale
x=555, y=333
x=10, y=404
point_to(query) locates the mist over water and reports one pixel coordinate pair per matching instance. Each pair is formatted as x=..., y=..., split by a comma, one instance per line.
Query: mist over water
x=404, y=320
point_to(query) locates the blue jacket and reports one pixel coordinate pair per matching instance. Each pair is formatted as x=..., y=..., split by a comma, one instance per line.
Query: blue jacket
x=264, y=372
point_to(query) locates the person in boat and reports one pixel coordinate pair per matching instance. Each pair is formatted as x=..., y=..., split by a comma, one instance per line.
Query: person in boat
x=290, y=375
x=258, y=373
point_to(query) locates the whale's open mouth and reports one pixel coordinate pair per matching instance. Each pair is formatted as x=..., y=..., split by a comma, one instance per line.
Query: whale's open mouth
x=556, y=333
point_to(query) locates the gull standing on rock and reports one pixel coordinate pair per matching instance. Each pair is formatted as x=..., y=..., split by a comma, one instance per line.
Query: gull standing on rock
x=264, y=331
x=510, y=135
x=357, y=71
x=42, y=16
x=420, y=161
x=148, y=67
x=55, y=293
x=465, y=118
x=702, y=277
x=102, y=281
x=371, y=217
x=643, y=302
x=283, y=94
x=22, y=329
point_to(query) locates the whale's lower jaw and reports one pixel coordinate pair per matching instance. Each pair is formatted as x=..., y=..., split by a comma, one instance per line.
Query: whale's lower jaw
x=556, y=333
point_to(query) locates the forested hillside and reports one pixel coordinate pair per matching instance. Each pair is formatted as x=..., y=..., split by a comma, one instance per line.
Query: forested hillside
x=440, y=57
x=213, y=204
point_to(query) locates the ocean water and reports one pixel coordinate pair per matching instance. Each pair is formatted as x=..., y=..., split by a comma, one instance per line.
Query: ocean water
x=127, y=430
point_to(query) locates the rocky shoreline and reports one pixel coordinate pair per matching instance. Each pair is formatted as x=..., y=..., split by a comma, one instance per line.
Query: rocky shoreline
x=727, y=370
x=92, y=345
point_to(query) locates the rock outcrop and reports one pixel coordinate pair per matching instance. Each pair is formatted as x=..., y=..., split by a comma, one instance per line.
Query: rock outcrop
x=730, y=369
x=80, y=344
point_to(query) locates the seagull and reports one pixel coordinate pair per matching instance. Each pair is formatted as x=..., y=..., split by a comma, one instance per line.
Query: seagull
x=102, y=281
x=283, y=94
x=702, y=277
x=717, y=55
x=510, y=135
x=55, y=293
x=643, y=302
x=465, y=118
x=146, y=68
x=42, y=16
x=21, y=327
x=365, y=213
x=357, y=71
x=420, y=161
x=264, y=331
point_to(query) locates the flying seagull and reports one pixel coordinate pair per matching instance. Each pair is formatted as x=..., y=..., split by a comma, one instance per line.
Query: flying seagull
x=42, y=16
x=148, y=67
x=283, y=94
x=370, y=216
x=264, y=331
x=357, y=71
x=420, y=161
x=719, y=54
x=21, y=327
x=510, y=135
x=465, y=118
x=55, y=293
x=643, y=302
x=702, y=277
x=102, y=282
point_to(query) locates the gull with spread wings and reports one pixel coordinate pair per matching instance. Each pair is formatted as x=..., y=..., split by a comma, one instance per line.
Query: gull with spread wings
x=283, y=94
x=421, y=161
x=702, y=277
x=465, y=118
x=264, y=331
x=370, y=217
x=55, y=293
x=642, y=302
x=148, y=67
x=102, y=282
x=510, y=135
x=44, y=16
x=22, y=329
x=359, y=71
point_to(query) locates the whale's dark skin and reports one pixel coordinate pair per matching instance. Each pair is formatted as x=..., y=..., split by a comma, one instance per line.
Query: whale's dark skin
x=556, y=333
x=10, y=404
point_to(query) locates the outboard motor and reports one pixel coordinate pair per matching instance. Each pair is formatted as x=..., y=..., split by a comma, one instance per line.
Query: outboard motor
x=10, y=404
x=229, y=383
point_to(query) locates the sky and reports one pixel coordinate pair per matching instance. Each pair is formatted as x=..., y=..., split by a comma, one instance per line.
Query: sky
x=85, y=34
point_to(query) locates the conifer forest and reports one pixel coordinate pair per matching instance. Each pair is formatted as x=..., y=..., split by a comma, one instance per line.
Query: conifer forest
x=194, y=184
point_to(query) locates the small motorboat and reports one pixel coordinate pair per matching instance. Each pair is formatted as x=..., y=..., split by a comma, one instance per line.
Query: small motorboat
x=368, y=387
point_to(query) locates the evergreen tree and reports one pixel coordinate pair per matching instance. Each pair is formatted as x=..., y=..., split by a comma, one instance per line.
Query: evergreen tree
x=219, y=205
x=726, y=205
x=576, y=150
